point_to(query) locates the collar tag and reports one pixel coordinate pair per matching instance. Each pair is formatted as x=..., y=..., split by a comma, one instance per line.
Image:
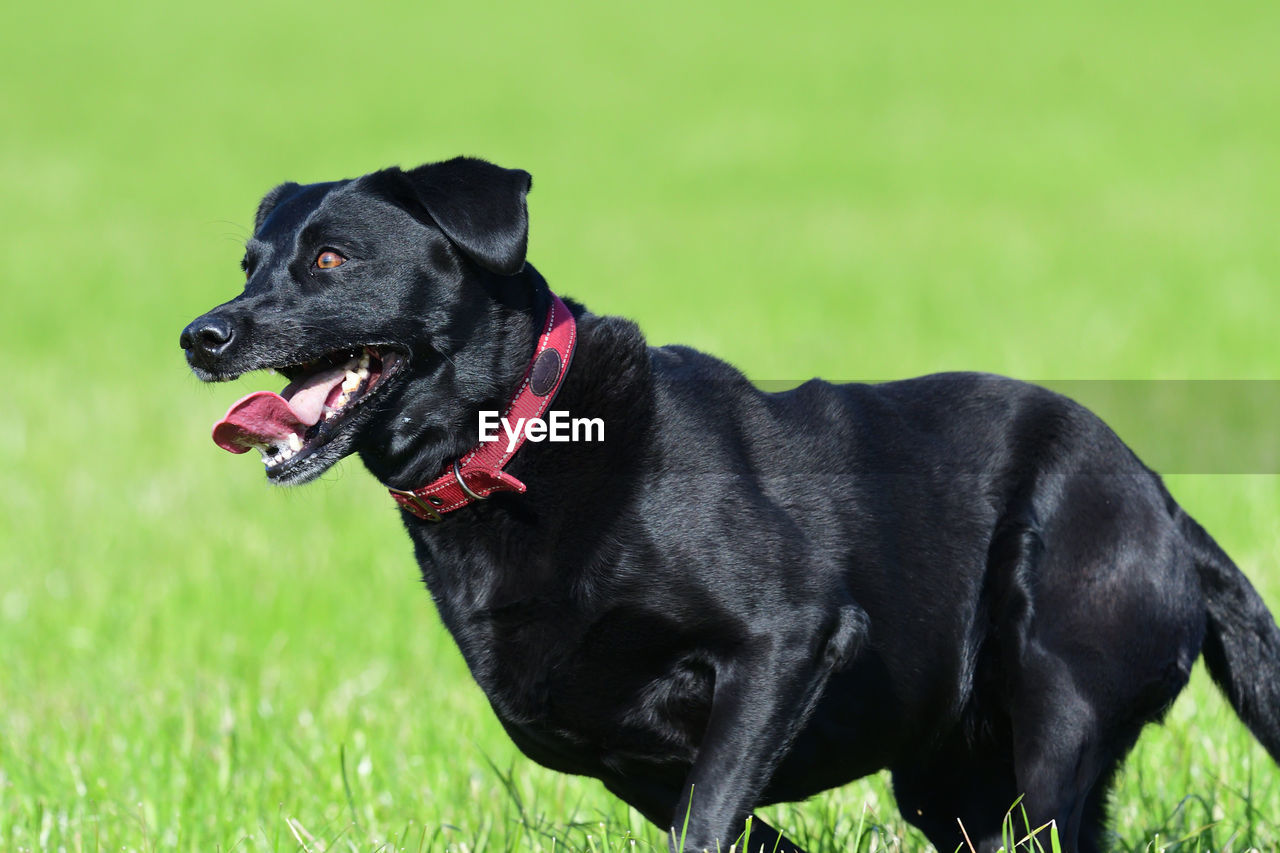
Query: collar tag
x=479, y=474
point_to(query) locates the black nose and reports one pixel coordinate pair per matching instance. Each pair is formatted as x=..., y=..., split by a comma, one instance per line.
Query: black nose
x=209, y=335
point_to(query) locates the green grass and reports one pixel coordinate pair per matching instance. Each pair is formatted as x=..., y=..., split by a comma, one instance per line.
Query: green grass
x=190, y=660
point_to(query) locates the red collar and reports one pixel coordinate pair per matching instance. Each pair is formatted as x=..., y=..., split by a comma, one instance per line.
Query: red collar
x=479, y=473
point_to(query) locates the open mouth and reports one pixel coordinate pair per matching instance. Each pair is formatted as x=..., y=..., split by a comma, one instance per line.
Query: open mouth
x=321, y=396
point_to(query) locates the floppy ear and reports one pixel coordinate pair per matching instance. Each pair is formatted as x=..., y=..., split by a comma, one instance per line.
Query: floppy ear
x=269, y=202
x=480, y=207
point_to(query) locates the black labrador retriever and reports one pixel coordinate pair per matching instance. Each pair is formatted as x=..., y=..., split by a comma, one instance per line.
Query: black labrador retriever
x=719, y=598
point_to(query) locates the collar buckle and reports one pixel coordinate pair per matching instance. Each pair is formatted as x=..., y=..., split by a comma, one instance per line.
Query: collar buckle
x=418, y=505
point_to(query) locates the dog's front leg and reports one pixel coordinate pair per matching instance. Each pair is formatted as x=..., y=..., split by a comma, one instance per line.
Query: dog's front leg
x=655, y=802
x=763, y=696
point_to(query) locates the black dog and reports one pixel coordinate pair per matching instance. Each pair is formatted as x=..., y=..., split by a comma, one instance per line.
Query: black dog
x=736, y=598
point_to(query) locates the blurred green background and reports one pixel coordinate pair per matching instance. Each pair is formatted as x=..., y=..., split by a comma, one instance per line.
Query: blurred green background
x=192, y=660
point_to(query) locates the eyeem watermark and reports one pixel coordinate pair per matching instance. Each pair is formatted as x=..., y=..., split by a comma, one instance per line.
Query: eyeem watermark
x=557, y=426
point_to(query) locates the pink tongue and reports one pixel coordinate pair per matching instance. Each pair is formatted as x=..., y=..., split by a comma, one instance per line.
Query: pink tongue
x=262, y=419
x=266, y=419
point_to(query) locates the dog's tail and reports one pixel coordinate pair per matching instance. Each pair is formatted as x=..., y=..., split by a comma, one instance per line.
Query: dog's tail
x=1242, y=644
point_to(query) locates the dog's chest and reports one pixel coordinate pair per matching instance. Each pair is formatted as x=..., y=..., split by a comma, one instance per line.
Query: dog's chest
x=597, y=674
x=620, y=685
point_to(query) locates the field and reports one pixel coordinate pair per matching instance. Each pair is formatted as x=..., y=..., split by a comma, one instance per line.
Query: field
x=191, y=660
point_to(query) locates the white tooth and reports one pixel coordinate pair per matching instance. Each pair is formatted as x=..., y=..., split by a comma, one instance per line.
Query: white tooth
x=363, y=373
x=364, y=359
x=342, y=400
x=351, y=383
x=266, y=457
x=295, y=442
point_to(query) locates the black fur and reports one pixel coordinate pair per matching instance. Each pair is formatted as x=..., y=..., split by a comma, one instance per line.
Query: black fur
x=740, y=598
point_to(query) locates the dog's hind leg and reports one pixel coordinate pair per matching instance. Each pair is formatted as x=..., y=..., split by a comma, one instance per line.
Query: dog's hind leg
x=1081, y=695
x=960, y=791
x=1093, y=822
x=1057, y=751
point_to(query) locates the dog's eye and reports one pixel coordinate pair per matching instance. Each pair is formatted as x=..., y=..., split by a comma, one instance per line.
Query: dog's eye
x=328, y=259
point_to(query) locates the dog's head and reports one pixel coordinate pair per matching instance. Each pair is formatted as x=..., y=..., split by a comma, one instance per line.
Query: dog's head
x=385, y=301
